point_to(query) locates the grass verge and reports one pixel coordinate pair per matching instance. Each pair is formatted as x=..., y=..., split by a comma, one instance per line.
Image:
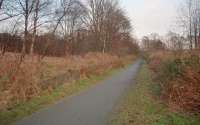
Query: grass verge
x=139, y=107
x=24, y=109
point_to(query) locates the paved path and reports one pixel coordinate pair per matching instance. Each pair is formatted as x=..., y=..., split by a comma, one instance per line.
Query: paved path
x=89, y=107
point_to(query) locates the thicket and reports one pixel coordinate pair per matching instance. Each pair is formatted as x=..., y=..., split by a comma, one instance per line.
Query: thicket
x=179, y=79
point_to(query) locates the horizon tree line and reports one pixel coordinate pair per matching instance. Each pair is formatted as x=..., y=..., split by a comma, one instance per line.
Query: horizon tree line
x=72, y=26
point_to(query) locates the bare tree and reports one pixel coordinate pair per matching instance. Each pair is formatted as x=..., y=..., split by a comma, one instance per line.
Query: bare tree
x=146, y=43
x=153, y=42
x=64, y=20
x=176, y=41
x=62, y=11
x=39, y=12
x=196, y=23
x=96, y=16
x=25, y=8
x=37, y=4
x=106, y=20
x=3, y=10
x=101, y=22
x=116, y=24
x=190, y=19
x=72, y=22
x=190, y=22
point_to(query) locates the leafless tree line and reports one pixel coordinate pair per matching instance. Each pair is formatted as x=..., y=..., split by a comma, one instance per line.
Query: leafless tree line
x=188, y=38
x=93, y=26
x=190, y=22
x=153, y=42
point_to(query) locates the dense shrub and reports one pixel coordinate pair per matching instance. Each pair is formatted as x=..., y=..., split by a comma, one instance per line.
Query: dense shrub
x=184, y=92
x=179, y=78
x=169, y=70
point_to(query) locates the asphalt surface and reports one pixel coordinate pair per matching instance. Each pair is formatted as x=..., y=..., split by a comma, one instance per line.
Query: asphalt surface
x=89, y=107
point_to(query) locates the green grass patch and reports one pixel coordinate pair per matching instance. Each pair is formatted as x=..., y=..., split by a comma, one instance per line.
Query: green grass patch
x=27, y=108
x=139, y=107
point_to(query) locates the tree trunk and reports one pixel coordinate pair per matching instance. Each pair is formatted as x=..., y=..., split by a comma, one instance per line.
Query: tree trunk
x=23, y=52
x=199, y=36
x=35, y=27
x=190, y=25
x=104, y=47
x=195, y=36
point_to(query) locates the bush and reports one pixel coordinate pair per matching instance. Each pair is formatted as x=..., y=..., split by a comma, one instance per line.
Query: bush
x=179, y=78
x=169, y=70
x=184, y=92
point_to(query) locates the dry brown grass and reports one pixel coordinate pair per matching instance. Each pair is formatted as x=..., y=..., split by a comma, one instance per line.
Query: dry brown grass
x=20, y=84
x=17, y=83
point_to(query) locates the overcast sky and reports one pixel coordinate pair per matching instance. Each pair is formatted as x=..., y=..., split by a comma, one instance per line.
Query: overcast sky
x=151, y=15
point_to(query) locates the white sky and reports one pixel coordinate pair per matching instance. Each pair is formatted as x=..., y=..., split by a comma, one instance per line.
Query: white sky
x=151, y=15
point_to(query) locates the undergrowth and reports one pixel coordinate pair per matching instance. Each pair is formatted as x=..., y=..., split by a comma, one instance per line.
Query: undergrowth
x=142, y=106
x=26, y=88
x=179, y=78
x=27, y=108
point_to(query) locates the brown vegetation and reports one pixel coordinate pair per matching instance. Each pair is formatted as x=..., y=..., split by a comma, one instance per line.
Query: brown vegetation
x=179, y=78
x=33, y=77
x=184, y=91
x=48, y=42
x=52, y=28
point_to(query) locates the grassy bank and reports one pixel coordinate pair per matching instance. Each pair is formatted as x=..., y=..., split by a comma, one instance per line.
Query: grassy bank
x=140, y=107
x=24, y=109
